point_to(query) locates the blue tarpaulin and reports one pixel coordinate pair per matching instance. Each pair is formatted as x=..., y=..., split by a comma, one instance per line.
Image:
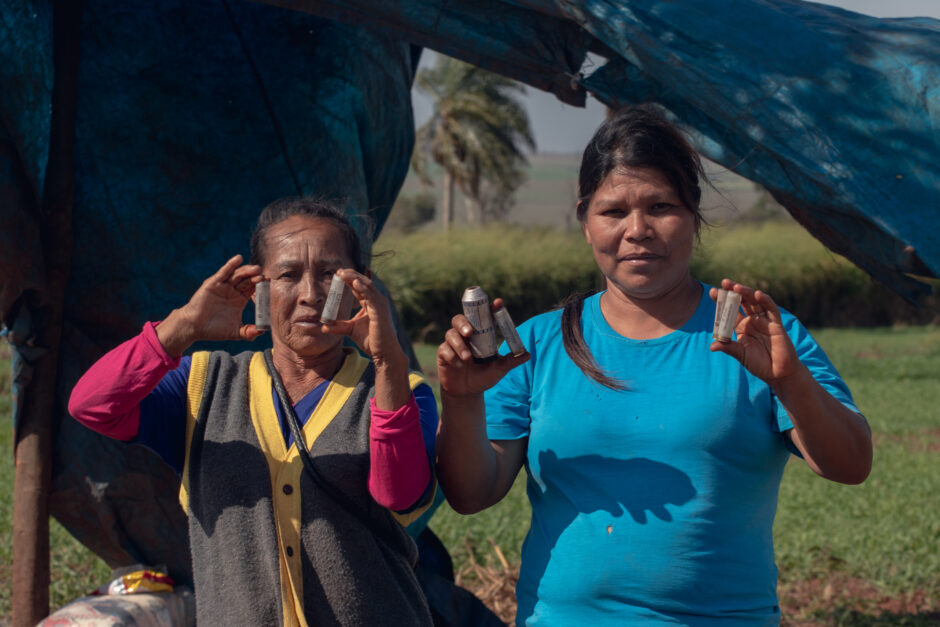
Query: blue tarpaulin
x=836, y=113
x=191, y=115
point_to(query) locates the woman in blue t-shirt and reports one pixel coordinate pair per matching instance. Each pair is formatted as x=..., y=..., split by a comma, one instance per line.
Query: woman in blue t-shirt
x=654, y=454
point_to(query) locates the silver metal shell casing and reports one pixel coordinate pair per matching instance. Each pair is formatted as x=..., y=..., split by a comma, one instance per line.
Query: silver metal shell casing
x=333, y=300
x=508, y=330
x=726, y=315
x=476, y=308
x=263, y=305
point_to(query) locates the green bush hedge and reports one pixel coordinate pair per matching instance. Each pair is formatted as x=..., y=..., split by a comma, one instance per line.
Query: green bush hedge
x=534, y=269
x=820, y=287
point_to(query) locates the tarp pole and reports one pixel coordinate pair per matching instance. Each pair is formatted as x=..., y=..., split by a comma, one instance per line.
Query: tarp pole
x=33, y=445
x=30, y=496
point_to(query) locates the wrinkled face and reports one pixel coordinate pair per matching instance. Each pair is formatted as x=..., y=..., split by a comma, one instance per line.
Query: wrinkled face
x=641, y=233
x=302, y=254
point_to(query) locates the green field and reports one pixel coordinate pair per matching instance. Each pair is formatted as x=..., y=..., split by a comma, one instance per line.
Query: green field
x=75, y=570
x=548, y=196
x=869, y=554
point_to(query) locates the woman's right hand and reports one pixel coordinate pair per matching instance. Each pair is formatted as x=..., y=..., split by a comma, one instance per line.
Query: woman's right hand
x=215, y=311
x=458, y=373
x=474, y=471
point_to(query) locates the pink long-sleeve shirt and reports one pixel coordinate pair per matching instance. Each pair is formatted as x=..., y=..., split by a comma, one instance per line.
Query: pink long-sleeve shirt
x=108, y=399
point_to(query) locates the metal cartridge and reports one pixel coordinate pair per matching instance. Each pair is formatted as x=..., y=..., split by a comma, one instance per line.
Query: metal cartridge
x=263, y=305
x=476, y=307
x=508, y=330
x=333, y=300
x=726, y=315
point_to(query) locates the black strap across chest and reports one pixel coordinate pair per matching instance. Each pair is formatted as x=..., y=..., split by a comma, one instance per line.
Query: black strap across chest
x=382, y=533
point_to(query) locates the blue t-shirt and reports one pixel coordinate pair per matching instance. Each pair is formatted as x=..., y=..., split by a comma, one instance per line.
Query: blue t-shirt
x=654, y=504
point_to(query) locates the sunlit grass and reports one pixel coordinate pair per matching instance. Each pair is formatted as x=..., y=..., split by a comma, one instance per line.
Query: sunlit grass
x=74, y=570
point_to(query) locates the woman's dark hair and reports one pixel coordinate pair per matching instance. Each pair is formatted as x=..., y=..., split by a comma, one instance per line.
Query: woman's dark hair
x=636, y=137
x=640, y=137
x=319, y=208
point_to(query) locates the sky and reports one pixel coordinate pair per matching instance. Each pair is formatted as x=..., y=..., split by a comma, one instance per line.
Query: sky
x=560, y=128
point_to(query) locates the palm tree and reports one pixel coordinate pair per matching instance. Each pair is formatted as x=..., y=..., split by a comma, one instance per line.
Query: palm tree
x=476, y=133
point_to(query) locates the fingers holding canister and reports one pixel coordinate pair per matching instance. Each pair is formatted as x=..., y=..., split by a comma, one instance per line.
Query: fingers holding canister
x=478, y=312
x=460, y=372
x=456, y=345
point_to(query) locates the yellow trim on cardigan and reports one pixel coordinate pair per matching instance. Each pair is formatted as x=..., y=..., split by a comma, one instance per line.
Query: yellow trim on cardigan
x=263, y=418
x=286, y=465
x=195, y=386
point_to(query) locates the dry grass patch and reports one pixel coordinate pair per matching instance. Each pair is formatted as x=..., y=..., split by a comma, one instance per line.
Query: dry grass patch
x=494, y=584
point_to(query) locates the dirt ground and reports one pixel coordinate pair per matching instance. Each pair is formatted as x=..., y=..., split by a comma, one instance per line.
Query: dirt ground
x=838, y=600
x=844, y=600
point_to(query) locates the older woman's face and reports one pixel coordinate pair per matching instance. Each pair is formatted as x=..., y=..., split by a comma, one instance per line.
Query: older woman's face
x=641, y=233
x=301, y=256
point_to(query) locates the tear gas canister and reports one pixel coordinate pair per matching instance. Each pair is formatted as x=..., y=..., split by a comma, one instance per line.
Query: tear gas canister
x=476, y=308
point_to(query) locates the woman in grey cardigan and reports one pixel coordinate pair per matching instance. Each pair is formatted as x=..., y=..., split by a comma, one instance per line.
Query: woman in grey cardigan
x=277, y=539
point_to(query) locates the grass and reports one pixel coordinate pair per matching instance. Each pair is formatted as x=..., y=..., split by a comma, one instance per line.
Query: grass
x=887, y=529
x=505, y=523
x=884, y=533
x=75, y=571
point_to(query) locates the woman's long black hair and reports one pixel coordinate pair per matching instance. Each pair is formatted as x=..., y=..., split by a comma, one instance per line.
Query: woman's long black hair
x=635, y=137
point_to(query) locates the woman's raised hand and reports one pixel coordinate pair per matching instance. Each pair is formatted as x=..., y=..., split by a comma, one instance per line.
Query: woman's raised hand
x=215, y=311
x=458, y=373
x=762, y=346
x=371, y=328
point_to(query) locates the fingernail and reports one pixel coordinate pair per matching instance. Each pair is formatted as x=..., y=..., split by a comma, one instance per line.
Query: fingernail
x=466, y=330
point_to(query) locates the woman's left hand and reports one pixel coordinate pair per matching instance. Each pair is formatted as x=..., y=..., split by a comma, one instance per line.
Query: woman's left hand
x=834, y=440
x=762, y=346
x=371, y=328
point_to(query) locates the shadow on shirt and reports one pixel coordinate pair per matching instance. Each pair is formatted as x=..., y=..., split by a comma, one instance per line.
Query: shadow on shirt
x=638, y=486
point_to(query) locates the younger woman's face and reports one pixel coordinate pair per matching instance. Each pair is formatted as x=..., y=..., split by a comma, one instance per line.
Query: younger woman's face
x=641, y=233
